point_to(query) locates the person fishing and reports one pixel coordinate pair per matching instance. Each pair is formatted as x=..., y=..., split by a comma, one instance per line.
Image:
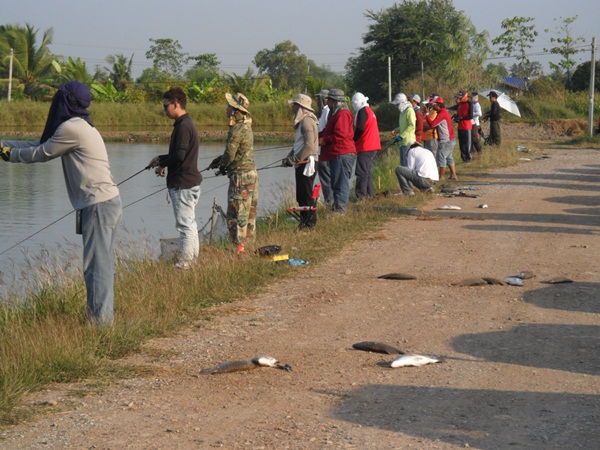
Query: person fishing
x=183, y=177
x=304, y=155
x=237, y=162
x=70, y=134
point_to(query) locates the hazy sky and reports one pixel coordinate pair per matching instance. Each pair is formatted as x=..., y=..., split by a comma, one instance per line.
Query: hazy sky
x=327, y=31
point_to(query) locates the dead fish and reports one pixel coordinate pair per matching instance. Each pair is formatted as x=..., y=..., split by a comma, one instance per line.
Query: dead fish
x=482, y=206
x=526, y=275
x=449, y=207
x=464, y=194
x=494, y=281
x=397, y=276
x=230, y=366
x=471, y=282
x=413, y=361
x=377, y=347
x=513, y=281
x=559, y=280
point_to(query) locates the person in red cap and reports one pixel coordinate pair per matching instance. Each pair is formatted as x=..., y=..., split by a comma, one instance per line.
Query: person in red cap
x=464, y=115
x=446, y=141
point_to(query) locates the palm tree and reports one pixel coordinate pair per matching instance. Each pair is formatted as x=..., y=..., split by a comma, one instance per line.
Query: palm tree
x=120, y=72
x=32, y=64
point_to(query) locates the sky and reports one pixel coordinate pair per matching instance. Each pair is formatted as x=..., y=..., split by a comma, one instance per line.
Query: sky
x=326, y=31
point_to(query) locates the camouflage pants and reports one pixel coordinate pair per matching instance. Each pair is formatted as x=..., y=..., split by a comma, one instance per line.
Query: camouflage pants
x=242, y=198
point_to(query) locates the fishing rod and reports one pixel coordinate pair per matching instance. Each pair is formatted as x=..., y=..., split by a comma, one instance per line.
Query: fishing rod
x=62, y=217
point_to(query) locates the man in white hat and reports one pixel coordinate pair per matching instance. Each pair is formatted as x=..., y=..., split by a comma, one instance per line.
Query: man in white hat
x=304, y=155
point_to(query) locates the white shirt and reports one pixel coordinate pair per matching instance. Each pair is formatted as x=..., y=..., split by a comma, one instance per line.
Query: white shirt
x=423, y=162
x=476, y=113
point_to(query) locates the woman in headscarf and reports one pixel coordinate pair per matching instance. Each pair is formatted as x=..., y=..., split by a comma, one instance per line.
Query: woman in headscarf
x=406, y=131
x=70, y=134
x=338, y=148
x=238, y=163
x=304, y=155
x=366, y=139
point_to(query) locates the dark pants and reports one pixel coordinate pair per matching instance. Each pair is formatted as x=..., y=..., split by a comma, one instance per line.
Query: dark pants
x=464, y=142
x=475, y=142
x=304, y=190
x=495, y=137
x=364, y=177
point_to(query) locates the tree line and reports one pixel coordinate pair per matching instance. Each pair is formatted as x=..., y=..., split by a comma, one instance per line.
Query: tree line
x=425, y=41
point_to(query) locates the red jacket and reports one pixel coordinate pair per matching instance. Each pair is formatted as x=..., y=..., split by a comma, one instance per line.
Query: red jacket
x=465, y=114
x=419, y=126
x=338, y=136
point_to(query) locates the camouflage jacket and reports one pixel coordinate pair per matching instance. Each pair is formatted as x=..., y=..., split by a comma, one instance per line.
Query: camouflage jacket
x=239, y=150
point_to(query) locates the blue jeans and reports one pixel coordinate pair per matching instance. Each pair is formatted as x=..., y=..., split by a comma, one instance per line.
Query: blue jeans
x=408, y=177
x=341, y=172
x=98, y=226
x=325, y=180
x=184, y=206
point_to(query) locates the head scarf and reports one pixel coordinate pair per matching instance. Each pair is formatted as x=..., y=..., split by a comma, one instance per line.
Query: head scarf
x=402, y=102
x=71, y=100
x=359, y=101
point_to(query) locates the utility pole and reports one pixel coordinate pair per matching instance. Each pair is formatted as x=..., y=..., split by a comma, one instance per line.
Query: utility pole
x=592, y=87
x=390, y=79
x=10, y=64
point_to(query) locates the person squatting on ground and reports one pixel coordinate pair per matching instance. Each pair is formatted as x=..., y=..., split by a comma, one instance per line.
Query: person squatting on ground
x=367, y=141
x=415, y=101
x=476, y=130
x=405, y=133
x=70, y=134
x=338, y=148
x=238, y=163
x=304, y=155
x=421, y=172
x=446, y=141
x=430, y=137
x=183, y=176
x=323, y=171
x=494, y=116
x=464, y=116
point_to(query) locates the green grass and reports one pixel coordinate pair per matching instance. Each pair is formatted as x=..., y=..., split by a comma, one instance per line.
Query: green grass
x=46, y=339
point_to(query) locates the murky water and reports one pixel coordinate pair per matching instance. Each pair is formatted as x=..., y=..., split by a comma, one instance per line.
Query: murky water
x=34, y=195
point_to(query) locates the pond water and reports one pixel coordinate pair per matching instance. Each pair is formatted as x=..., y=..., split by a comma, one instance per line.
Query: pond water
x=34, y=196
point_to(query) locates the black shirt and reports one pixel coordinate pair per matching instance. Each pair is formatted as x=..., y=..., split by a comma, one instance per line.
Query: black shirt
x=182, y=160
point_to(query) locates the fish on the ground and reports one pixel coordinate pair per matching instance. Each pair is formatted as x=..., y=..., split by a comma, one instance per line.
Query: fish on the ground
x=514, y=281
x=471, y=282
x=494, y=281
x=449, y=208
x=245, y=365
x=377, y=347
x=413, y=361
x=397, y=276
x=559, y=280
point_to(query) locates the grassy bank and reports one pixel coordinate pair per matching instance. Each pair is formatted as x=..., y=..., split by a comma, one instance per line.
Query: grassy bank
x=47, y=340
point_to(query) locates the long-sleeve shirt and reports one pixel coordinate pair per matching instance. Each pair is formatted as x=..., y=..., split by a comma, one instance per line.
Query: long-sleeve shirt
x=443, y=124
x=182, y=159
x=407, y=126
x=306, y=142
x=366, y=131
x=84, y=159
x=338, y=136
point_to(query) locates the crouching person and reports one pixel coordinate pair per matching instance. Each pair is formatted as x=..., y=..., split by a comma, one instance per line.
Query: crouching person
x=421, y=171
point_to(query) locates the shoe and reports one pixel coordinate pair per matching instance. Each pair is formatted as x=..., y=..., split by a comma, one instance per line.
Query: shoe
x=430, y=190
x=183, y=265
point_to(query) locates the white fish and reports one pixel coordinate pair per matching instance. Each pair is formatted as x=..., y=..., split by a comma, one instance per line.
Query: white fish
x=452, y=207
x=483, y=205
x=412, y=361
x=265, y=361
x=513, y=281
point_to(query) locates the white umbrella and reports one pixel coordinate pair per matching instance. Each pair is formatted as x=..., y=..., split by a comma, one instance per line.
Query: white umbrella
x=504, y=101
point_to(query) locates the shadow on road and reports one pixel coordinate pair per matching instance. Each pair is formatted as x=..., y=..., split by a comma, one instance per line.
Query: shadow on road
x=487, y=419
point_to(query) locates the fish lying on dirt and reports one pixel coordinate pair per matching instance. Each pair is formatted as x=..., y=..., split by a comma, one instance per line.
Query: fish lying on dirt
x=377, y=347
x=245, y=365
x=413, y=361
x=397, y=276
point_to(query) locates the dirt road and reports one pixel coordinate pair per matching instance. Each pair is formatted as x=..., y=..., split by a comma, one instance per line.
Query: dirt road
x=521, y=369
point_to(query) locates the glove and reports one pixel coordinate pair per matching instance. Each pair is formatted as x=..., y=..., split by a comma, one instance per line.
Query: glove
x=397, y=139
x=287, y=162
x=5, y=153
x=215, y=163
x=222, y=170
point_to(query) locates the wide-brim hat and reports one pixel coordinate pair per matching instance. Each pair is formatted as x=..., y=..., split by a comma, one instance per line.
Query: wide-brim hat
x=323, y=93
x=337, y=95
x=239, y=102
x=303, y=100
